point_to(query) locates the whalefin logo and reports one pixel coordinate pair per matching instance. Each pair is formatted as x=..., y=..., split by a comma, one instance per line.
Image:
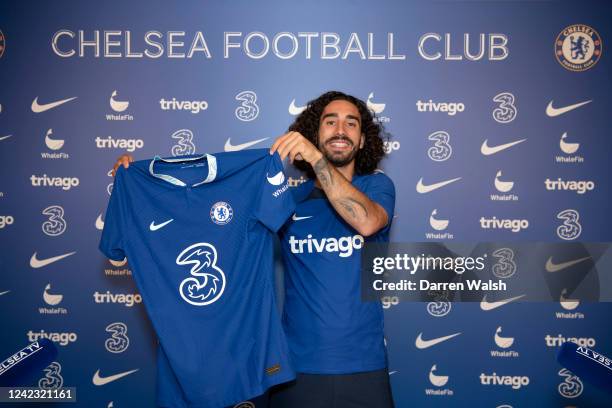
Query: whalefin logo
x=502, y=186
x=437, y=380
x=568, y=148
x=53, y=144
x=438, y=225
x=99, y=223
x=277, y=179
x=375, y=107
x=51, y=299
x=296, y=110
x=118, y=264
x=117, y=106
x=567, y=304
x=502, y=342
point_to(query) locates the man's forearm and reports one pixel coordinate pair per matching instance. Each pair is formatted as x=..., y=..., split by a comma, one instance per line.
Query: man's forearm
x=352, y=205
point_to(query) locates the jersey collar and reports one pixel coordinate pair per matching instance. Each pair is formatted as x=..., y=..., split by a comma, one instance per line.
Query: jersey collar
x=212, y=169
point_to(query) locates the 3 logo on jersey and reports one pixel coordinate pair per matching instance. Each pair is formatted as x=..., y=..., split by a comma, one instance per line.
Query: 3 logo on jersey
x=207, y=281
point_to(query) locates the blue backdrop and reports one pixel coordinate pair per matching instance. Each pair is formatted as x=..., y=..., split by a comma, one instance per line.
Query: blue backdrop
x=497, y=96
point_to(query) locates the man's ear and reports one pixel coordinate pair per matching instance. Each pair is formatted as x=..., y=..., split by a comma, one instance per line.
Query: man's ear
x=362, y=142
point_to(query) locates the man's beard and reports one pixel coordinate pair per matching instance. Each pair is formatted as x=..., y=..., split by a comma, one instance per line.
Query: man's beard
x=339, y=159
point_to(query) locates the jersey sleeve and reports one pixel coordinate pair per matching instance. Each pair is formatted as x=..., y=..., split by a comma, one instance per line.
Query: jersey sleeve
x=113, y=234
x=275, y=203
x=381, y=190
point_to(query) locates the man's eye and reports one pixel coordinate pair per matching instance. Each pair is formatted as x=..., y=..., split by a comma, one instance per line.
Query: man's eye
x=352, y=124
x=330, y=122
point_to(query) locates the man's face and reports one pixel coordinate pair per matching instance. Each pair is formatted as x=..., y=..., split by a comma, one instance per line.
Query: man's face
x=340, y=136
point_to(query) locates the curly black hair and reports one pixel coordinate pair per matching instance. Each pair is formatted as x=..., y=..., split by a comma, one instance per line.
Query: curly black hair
x=367, y=158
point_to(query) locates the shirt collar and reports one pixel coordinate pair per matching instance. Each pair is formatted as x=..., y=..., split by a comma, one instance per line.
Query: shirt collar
x=210, y=159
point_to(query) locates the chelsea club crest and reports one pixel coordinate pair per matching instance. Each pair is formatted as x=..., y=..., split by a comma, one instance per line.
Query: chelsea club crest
x=221, y=213
x=578, y=47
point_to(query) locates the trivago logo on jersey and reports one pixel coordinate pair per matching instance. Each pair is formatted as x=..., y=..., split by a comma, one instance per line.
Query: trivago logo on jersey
x=344, y=246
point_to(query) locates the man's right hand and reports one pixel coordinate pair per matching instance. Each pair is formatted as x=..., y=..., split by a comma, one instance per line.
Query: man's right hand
x=123, y=160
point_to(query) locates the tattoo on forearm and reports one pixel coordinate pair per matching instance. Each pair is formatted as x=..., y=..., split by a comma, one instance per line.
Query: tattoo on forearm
x=351, y=205
x=323, y=172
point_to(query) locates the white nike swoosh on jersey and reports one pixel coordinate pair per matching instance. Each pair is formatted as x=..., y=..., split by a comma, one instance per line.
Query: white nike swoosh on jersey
x=392, y=372
x=234, y=148
x=38, y=108
x=484, y=305
x=487, y=151
x=97, y=380
x=296, y=218
x=154, y=227
x=39, y=263
x=4, y=293
x=5, y=137
x=422, y=188
x=423, y=344
x=552, y=112
x=552, y=267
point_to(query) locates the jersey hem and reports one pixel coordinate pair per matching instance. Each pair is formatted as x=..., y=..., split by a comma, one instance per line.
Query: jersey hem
x=252, y=393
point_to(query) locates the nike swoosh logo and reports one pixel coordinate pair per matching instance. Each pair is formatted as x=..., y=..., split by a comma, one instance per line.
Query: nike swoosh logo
x=4, y=293
x=423, y=344
x=5, y=137
x=552, y=267
x=484, y=305
x=38, y=108
x=154, y=227
x=296, y=218
x=392, y=372
x=552, y=112
x=422, y=188
x=234, y=148
x=97, y=380
x=39, y=263
x=487, y=151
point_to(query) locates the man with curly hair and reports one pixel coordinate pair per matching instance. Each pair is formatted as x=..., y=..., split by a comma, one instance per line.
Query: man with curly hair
x=335, y=339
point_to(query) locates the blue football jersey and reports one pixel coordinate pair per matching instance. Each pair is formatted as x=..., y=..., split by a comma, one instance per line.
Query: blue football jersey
x=198, y=232
x=328, y=327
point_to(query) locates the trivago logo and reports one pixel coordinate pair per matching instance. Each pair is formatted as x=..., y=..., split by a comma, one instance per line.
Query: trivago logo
x=63, y=339
x=66, y=183
x=558, y=340
x=126, y=299
x=514, y=225
x=344, y=246
x=128, y=144
x=514, y=381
